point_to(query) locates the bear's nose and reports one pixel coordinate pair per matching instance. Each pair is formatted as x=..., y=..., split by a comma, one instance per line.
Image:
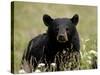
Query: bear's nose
x=61, y=38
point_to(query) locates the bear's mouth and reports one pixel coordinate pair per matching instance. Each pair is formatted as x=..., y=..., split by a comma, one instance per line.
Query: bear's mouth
x=61, y=39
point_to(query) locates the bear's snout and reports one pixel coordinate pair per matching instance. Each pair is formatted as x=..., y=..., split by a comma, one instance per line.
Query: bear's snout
x=62, y=38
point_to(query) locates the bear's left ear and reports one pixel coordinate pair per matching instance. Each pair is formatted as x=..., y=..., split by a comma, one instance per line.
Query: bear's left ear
x=75, y=19
x=47, y=19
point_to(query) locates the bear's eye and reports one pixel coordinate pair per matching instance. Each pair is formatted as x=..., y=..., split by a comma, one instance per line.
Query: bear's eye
x=57, y=29
x=67, y=29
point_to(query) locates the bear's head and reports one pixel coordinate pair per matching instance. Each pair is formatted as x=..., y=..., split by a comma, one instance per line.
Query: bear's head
x=61, y=29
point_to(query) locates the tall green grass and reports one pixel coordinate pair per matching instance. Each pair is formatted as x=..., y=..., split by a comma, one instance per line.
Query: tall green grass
x=28, y=23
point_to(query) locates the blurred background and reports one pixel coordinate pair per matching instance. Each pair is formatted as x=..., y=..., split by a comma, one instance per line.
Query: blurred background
x=28, y=23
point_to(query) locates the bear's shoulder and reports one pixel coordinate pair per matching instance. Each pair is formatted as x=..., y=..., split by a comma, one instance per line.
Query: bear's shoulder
x=39, y=40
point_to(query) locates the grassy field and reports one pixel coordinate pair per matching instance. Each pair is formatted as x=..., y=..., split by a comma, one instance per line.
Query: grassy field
x=28, y=23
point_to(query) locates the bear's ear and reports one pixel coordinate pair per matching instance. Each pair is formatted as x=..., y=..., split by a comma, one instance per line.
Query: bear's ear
x=75, y=19
x=47, y=19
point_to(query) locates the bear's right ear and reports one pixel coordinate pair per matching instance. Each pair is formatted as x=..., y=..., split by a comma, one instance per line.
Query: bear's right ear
x=47, y=19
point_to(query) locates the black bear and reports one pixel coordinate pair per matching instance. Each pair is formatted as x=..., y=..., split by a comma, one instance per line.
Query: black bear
x=61, y=35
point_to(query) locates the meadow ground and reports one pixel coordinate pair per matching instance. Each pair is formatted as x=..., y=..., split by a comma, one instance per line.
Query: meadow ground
x=28, y=23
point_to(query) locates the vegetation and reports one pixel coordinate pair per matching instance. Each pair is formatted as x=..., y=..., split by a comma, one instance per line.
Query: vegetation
x=28, y=24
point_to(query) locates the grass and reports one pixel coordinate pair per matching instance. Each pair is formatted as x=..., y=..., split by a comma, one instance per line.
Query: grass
x=28, y=23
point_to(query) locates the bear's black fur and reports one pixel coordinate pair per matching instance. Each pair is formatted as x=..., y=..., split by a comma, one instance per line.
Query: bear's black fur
x=61, y=35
